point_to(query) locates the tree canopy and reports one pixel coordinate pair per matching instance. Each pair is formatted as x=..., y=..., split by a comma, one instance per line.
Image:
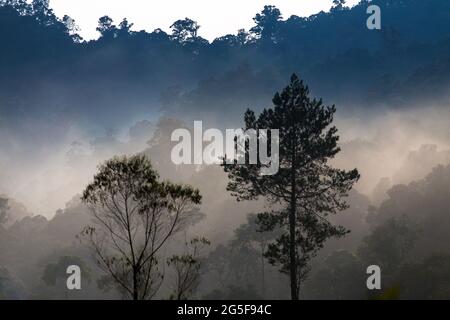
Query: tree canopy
x=134, y=215
x=306, y=186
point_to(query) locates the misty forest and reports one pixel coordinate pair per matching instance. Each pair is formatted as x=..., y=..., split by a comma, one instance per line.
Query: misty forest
x=86, y=176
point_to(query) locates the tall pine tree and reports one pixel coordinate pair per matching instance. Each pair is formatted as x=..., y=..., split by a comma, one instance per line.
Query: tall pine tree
x=306, y=189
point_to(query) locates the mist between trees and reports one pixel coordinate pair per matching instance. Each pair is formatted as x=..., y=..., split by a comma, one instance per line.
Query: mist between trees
x=180, y=233
x=136, y=235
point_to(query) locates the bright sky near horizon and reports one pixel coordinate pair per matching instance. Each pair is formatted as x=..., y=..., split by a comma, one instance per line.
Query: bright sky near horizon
x=216, y=17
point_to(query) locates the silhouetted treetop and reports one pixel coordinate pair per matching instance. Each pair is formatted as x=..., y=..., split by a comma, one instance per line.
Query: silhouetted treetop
x=351, y=65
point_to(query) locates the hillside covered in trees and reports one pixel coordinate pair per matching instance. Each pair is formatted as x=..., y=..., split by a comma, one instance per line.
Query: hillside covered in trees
x=128, y=72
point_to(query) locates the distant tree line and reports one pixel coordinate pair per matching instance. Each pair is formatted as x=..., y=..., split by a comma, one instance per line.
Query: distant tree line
x=180, y=70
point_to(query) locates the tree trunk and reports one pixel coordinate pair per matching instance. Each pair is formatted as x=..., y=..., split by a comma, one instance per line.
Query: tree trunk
x=292, y=255
x=263, y=272
x=292, y=216
x=135, y=284
x=292, y=251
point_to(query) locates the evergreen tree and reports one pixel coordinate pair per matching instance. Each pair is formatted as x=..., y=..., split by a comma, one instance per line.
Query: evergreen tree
x=306, y=188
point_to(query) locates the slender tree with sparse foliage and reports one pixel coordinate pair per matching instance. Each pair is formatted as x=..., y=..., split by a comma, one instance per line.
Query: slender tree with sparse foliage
x=135, y=214
x=306, y=187
x=187, y=268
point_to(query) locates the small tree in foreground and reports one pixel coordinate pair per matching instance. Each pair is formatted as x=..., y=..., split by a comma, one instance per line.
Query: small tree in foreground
x=306, y=187
x=187, y=268
x=134, y=215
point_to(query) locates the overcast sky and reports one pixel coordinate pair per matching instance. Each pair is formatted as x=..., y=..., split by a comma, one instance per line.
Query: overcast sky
x=216, y=17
